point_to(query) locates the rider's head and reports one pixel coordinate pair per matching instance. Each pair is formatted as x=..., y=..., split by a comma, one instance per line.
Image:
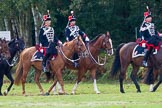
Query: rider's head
x=47, y=20
x=148, y=17
x=72, y=20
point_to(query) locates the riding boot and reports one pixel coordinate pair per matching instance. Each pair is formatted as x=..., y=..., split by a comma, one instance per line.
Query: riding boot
x=75, y=56
x=44, y=63
x=144, y=62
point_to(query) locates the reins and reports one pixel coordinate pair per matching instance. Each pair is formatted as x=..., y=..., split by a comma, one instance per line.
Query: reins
x=101, y=64
x=67, y=57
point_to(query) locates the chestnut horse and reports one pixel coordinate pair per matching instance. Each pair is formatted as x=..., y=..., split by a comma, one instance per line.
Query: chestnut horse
x=89, y=62
x=56, y=65
x=123, y=58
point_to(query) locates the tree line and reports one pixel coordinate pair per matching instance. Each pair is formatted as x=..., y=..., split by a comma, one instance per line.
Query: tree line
x=120, y=17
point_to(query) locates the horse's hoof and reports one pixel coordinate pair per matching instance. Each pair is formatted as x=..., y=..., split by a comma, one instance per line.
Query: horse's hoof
x=98, y=92
x=72, y=93
x=138, y=91
x=47, y=94
x=122, y=91
x=62, y=93
x=5, y=94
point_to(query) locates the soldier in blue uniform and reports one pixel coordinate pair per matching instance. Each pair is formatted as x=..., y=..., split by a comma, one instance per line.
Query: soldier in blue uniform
x=148, y=33
x=48, y=40
x=72, y=31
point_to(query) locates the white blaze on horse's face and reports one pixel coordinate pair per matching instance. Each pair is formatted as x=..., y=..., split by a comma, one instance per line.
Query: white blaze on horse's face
x=111, y=52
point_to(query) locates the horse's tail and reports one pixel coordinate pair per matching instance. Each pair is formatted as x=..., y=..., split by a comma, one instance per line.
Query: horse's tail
x=19, y=72
x=148, y=77
x=116, y=63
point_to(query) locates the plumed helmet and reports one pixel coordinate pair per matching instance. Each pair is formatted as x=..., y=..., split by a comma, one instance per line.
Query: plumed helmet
x=71, y=18
x=148, y=13
x=46, y=17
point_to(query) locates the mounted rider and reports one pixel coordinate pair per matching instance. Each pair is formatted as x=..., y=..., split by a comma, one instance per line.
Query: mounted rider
x=48, y=40
x=72, y=31
x=148, y=34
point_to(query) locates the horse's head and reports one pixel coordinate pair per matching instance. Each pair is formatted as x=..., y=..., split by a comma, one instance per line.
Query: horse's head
x=107, y=43
x=79, y=45
x=4, y=49
x=17, y=43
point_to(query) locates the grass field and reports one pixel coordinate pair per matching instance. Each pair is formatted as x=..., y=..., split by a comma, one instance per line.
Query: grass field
x=110, y=97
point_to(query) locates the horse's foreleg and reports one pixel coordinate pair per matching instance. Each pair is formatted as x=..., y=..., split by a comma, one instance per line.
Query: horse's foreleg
x=36, y=79
x=133, y=77
x=52, y=86
x=57, y=86
x=159, y=82
x=155, y=75
x=1, y=84
x=93, y=74
x=9, y=76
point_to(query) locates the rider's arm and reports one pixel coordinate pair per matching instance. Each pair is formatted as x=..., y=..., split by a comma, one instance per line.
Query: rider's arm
x=67, y=34
x=41, y=36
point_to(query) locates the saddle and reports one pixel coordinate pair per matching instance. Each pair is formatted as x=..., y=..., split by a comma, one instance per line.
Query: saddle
x=39, y=55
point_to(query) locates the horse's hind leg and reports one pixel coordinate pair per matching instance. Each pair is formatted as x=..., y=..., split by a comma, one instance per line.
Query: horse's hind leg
x=81, y=72
x=23, y=78
x=133, y=77
x=122, y=76
x=9, y=76
x=36, y=79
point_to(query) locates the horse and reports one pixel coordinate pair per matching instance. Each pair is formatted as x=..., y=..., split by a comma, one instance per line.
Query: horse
x=15, y=46
x=123, y=58
x=56, y=65
x=89, y=62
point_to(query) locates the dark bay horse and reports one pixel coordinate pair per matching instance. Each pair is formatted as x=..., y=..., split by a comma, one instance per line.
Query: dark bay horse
x=90, y=62
x=123, y=58
x=56, y=65
x=15, y=46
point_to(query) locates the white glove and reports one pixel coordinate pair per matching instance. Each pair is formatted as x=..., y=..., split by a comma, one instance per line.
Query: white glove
x=60, y=42
x=40, y=45
x=41, y=50
x=86, y=39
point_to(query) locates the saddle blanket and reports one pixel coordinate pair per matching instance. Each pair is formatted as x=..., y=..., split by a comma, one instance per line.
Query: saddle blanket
x=37, y=56
x=140, y=51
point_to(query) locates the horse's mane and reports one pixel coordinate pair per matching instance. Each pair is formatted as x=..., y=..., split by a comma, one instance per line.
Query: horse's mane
x=68, y=43
x=96, y=38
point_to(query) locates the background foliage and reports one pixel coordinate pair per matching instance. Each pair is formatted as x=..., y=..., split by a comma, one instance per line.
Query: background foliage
x=120, y=17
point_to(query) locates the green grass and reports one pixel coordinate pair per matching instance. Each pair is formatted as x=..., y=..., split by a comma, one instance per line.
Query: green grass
x=110, y=97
